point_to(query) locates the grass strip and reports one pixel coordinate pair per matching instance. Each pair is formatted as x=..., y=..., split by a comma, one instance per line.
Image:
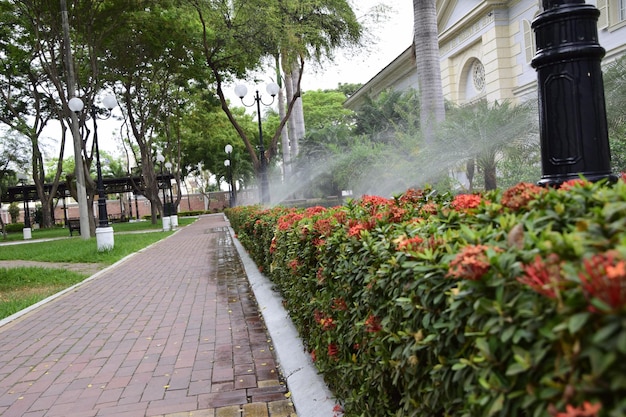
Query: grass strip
x=24, y=286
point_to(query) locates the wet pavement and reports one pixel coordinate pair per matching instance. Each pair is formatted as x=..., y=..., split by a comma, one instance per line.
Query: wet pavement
x=173, y=330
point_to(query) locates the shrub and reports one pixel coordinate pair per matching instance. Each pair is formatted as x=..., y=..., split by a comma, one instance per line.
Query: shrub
x=500, y=304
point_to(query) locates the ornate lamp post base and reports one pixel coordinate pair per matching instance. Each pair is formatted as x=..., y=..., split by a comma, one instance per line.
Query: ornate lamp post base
x=167, y=223
x=105, y=238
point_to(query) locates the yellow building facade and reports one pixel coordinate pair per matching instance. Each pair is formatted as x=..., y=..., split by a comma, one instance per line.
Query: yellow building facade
x=486, y=48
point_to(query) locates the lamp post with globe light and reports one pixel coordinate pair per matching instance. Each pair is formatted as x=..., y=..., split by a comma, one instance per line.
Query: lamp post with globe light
x=272, y=89
x=231, y=185
x=104, y=231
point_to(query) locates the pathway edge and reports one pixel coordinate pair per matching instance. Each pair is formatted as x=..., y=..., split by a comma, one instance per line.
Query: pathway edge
x=309, y=392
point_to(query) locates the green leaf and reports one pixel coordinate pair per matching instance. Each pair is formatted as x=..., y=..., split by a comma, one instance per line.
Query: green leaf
x=507, y=334
x=605, y=332
x=516, y=368
x=577, y=321
x=497, y=405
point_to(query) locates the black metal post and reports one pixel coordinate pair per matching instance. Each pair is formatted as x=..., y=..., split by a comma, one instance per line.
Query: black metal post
x=169, y=187
x=26, y=208
x=264, y=186
x=103, y=217
x=572, y=113
x=136, y=205
x=166, y=212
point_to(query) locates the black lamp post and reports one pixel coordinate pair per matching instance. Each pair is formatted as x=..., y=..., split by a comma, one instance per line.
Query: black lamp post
x=231, y=186
x=104, y=232
x=166, y=220
x=272, y=90
x=173, y=211
x=27, y=230
x=572, y=114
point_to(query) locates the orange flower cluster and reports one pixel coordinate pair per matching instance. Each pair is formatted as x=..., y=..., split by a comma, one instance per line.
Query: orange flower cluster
x=294, y=264
x=543, y=277
x=326, y=322
x=585, y=410
x=333, y=350
x=409, y=244
x=411, y=196
x=339, y=304
x=285, y=222
x=568, y=185
x=520, y=195
x=372, y=324
x=471, y=263
x=465, y=201
x=604, y=278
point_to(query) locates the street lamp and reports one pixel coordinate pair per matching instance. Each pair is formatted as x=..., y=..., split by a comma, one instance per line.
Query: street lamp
x=231, y=184
x=104, y=231
x=173, y=211
x=272, y=89
x=572, y=115
x=27, y=230
x=165, y=218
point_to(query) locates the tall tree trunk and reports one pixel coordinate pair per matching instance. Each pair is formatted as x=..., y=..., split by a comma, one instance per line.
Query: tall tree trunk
x=297, y=115
x=426, y=48
x=81, y=192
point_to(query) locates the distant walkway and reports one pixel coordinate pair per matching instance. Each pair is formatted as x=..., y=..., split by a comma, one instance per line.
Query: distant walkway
x=172, y=331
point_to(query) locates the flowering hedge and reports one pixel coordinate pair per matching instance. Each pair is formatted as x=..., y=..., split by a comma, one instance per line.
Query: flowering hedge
x=502, y=304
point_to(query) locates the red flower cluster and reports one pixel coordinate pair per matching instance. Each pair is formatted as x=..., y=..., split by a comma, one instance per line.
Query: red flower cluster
x=604, y=278
x=396, y=214
x=285, y=222
x=333, y=350
x=411, y=196
x=326, y=322
x=323, y=227
x=409, y=244
x=543, y=277
x=339, y=304
x=520, y=195
x=465, y=201
x=471, y=263
x=355, y=227
x=312, y=211
x=585, y=410
x=273, y=245
x=429, y=208
x=372, y=324
x=568, y=185
x=294, y=264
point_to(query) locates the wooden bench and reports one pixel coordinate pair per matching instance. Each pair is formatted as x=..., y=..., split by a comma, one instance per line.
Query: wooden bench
x=73, y=224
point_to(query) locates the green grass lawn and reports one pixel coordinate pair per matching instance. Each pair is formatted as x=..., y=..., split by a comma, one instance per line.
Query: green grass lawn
x=22, y=287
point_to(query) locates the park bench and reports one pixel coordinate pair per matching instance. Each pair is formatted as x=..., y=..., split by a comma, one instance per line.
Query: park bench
x=73, y=224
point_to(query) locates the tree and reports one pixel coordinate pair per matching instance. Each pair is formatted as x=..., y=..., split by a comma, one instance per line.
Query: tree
x=29, y=83
x=151, y=71
x=426, y=52
x=237, y=40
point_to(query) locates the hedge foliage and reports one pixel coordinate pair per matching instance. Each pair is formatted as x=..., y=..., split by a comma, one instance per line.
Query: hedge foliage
x=501, y=304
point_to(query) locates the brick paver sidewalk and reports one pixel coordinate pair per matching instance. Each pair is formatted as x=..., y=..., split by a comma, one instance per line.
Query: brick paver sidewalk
x=172, y=331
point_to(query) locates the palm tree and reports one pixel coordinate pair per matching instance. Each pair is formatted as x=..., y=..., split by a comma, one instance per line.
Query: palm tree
x=426, y=50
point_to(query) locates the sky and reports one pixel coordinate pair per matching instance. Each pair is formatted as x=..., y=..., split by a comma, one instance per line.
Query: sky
x=389, y=39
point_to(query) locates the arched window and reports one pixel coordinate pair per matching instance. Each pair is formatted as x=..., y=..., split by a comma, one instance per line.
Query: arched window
x=529, y=41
